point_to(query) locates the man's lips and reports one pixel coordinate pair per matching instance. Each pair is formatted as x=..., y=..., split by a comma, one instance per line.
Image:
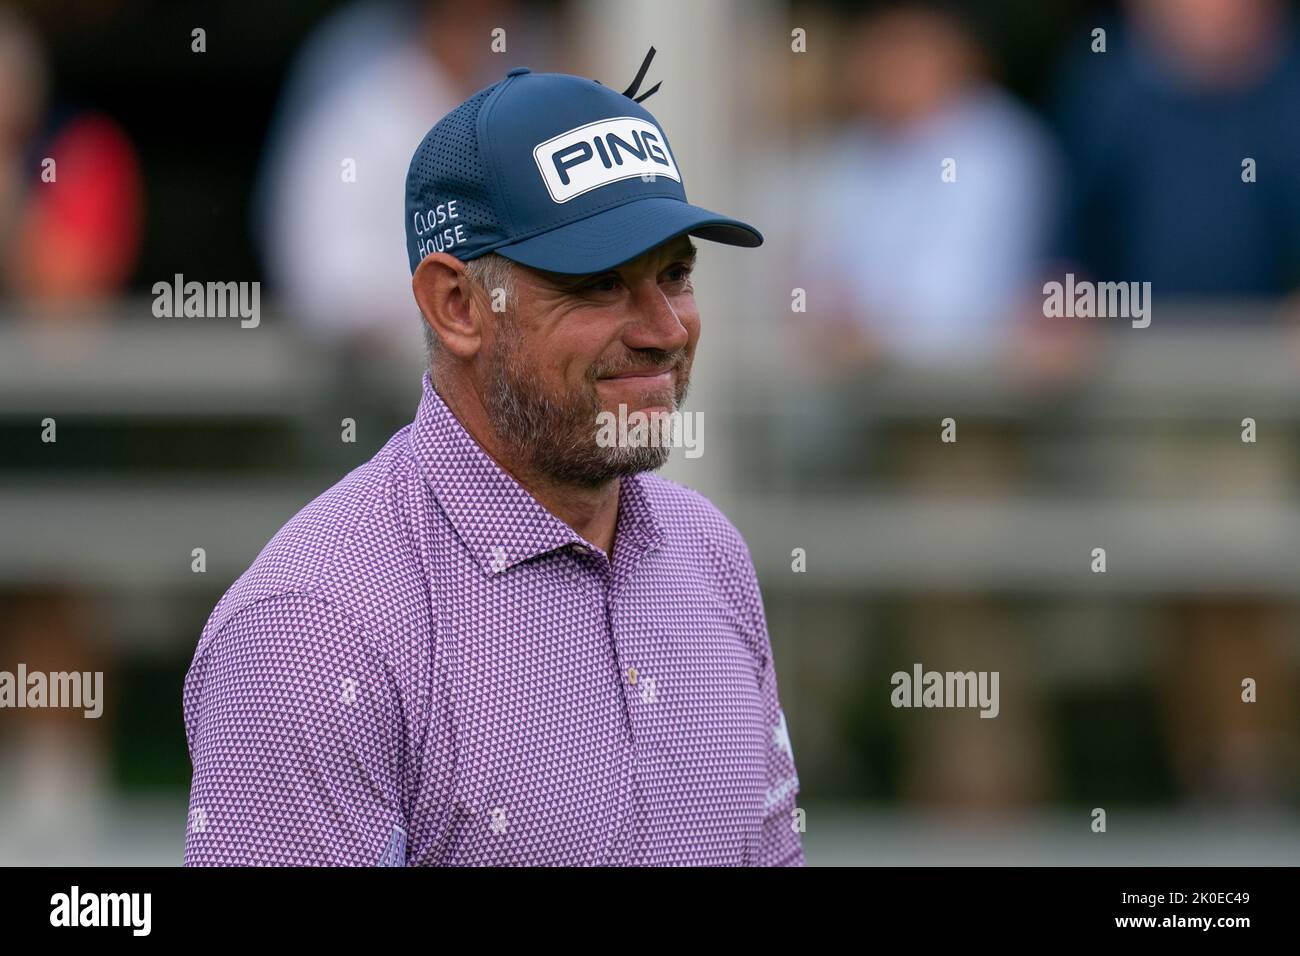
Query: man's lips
x=642, y=377
x=638, y=373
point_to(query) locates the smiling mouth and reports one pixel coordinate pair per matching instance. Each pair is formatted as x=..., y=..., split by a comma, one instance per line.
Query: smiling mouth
x=644, y=388
x=640, y=372
x=640, y=377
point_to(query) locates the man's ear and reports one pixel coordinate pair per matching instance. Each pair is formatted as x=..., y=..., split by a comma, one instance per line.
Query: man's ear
x=445, y=297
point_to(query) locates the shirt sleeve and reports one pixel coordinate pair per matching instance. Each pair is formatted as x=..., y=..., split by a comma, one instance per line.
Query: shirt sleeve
x=780, y=844
x=295, y=730
x=782, y=824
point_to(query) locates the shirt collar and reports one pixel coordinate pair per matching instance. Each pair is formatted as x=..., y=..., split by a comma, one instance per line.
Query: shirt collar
x=495, y=516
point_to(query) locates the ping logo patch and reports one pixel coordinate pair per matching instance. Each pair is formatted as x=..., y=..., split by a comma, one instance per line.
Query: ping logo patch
x=600, y=153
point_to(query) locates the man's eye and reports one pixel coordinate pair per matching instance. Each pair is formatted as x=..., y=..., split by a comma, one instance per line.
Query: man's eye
x=603, y=284
x=679, y=273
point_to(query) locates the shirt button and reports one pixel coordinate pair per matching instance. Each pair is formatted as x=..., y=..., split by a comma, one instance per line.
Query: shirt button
x=631, y=676
x=581, y=549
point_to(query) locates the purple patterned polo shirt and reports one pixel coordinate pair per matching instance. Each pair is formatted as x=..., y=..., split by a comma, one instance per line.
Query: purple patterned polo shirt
x=426, y=667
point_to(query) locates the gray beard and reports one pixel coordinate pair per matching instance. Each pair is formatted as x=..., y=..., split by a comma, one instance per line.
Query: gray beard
x=557, y=436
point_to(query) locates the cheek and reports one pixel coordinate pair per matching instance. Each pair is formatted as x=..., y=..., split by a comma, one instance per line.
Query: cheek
x=569, y=355
x=689, y=316
x=549, y=352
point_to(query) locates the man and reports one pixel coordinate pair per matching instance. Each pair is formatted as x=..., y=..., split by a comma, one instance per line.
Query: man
x=501, y=641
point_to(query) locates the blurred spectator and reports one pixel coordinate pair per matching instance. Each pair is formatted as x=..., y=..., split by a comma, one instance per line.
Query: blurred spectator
x=367, y=86
x=22, y=101
x=917, y=268
x=57, y=764
x=1157, y=128
x=70, y=230
x=1227, y=752
x=80, y=236
x=976, y=768
x=70, y=191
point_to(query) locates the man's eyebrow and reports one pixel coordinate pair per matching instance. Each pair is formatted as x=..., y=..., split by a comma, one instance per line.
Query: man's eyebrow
x=565, y=281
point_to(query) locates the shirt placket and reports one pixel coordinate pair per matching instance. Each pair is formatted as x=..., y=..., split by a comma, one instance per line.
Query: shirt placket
x=592, y=575
x=634, y=653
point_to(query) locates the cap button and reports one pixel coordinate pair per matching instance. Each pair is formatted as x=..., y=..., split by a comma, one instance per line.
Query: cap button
x=519, y=71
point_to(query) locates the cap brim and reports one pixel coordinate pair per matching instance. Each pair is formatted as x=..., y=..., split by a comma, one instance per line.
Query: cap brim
x=613, y=236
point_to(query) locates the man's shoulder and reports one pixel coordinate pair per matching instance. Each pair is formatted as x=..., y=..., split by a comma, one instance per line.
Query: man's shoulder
x=352, y=547
x=701, y=537
x=691, y=517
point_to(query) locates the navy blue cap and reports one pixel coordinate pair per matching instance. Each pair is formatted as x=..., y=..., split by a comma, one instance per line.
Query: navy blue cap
x=553, y=171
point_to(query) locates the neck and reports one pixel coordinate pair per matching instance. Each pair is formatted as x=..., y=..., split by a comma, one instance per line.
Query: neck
x=591, y=511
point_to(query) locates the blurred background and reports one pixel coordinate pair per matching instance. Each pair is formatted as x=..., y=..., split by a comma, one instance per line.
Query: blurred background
x=884, y=301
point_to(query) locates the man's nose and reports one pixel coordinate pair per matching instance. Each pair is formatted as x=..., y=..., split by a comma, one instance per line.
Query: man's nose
x=655, y=324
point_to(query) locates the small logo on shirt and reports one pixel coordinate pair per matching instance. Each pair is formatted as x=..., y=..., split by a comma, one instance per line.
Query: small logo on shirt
x=649, y=690
x=775, y=795
x=348, y=690
x=781, y=736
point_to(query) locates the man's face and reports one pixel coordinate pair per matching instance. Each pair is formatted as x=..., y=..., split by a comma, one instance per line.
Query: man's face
x=571, y=347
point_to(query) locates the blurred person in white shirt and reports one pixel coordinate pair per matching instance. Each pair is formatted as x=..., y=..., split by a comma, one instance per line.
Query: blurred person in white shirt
x=917, y=269
x=364, y=90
